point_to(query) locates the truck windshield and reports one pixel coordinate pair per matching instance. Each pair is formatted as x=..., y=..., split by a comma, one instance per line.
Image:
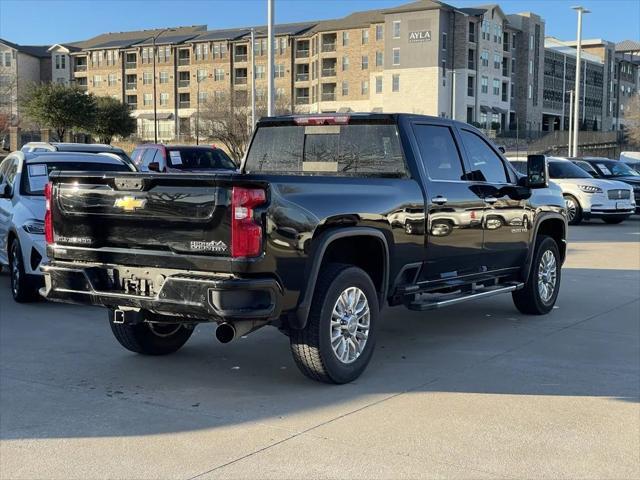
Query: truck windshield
x=615, y=168
x=36, y=175
x=566, y=169
x=338, y=150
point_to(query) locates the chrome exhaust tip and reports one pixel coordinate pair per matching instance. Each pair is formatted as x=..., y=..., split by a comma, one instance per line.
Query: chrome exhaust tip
x=225, y=332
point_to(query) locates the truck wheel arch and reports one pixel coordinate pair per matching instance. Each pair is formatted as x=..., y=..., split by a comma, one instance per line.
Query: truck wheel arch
x=553, y=225
x=320, y=248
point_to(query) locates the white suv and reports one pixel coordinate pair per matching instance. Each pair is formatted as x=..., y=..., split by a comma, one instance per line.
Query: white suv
x=22, y=208
x=587, y=197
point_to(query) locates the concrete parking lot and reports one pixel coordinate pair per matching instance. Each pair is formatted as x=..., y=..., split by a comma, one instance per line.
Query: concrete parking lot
x=474, y=391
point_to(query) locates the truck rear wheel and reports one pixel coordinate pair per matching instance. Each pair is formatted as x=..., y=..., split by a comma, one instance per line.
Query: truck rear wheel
x=337, y=343
x=539, y=294
x=150, y=338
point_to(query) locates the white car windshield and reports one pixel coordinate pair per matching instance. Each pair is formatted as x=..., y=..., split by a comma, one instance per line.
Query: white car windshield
x=36, y=175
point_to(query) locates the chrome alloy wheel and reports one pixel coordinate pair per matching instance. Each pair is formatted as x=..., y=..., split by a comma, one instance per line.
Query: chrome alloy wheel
x=350, y=321
x=15, y=269
x=572, y=208
x=547, y=276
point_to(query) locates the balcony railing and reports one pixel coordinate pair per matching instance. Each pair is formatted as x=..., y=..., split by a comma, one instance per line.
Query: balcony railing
x=184, y=104
x=471, y=65
x=240, y=57
x=302, y=77
x=302, y=100
x=132, y=105
x=183, y=83
x=130, y=64
x=84, y=88
x=329, y=47
x=240, y=81
x=328, y=97
x=80, y=68
x=329, y=72
x=130, y=86
x=302, y=53
x=184, y=60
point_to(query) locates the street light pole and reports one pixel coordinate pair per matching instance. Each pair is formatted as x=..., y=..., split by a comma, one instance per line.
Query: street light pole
x=197, y=110
x=270, y=57
x=569, y=148
x=576, y=104
x=253, y=80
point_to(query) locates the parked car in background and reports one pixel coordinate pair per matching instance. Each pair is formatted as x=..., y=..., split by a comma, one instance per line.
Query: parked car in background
x=23, y=177
x=5, y=142
x=612, y=170
x=630, y=157
x=76, y=147
x=588, y=197
x=181, y=158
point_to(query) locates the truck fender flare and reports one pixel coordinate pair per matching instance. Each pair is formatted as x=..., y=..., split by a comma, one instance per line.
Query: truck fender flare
x=543, y=217
x=299, y=319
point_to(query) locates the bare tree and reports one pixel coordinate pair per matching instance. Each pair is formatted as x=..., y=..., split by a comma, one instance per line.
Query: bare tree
x=8, y=94
x=632, y=119
x=230, y=123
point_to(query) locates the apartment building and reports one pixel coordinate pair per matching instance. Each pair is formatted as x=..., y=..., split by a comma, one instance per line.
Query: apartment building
x=20, y=66
x=479, y=65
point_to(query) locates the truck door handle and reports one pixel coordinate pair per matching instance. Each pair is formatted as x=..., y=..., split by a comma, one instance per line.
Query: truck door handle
x=439, y=200
x=490, y=200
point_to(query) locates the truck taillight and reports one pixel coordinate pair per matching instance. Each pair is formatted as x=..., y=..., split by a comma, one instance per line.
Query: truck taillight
x=48, y=224
x=246, y=233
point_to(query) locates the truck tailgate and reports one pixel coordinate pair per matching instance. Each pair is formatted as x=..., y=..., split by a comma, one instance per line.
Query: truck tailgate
x=142, y=219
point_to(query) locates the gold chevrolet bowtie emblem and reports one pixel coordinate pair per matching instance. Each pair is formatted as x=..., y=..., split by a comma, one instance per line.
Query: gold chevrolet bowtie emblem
x=129, y=204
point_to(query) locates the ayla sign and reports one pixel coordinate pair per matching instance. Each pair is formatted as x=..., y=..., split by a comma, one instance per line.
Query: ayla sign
x=420, y=36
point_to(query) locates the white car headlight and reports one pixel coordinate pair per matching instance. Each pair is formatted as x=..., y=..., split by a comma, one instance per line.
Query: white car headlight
x=590, y=189
x=34, y=227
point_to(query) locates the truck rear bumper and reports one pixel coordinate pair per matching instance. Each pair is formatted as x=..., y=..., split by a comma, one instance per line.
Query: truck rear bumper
x=198, y=296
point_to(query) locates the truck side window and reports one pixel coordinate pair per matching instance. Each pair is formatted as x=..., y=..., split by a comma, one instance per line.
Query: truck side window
x=486, y=165
x=439, y=152
x=147, y=158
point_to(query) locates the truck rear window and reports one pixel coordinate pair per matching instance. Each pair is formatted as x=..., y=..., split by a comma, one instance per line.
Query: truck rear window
x=36, y=175
x=343, y=150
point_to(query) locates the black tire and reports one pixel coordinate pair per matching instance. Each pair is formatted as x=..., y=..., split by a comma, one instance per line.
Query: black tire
x=577, y=217
x=528, y=299
x=311, y=346
x=150, y=339
x=24, y=287
x=408, y=228
x=614, y=220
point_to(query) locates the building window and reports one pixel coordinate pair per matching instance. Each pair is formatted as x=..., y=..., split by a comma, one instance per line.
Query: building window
x=111, y=79
x=97, y=80
x=164, y=77
x=147, y=78
x=7, y=59
x=513, y=66
x=365, y=37
x=364, y=87
x=379, y=84
x=530, y=92
x=279, y=93
x=379, y=59
x=444, y=40
x=505, y=93
x=201, y=75
x=513, y=91
x=469, y=114
x=496, y=86
x=396, y=29
x=484, y=84
x=497, y=61
x=279, y=70
x=345, y=39
x=365, y=62
x=483, y=120
x=379, y=32
x=147, y=99
x=530, y=67
x=484, y=58
x=395, y=82
x=470, y=86
x=531, y=41
x=164, y=99
x=202, y=97
x=396, y=56
x=345, y=63
x=345, y=89
x=260, y=70
x=472, y=31
x=443, y=65
x=218, y=74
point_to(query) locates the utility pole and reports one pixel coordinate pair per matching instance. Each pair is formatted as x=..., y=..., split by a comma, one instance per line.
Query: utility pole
x=576, y=104
x=253, y=80
x=270, y=57
x=570, y=146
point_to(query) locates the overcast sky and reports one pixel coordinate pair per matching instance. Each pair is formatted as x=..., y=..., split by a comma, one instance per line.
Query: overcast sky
x=39, y=22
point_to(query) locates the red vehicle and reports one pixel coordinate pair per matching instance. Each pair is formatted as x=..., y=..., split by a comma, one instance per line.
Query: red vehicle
x=151, y=157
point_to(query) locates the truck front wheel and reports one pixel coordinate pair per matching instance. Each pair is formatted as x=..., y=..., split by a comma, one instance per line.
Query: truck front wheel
x=539, y=294
x=337, y=343
x=150, y=338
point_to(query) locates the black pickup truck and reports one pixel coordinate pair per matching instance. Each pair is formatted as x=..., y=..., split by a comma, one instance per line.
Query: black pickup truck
x=331, y=218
